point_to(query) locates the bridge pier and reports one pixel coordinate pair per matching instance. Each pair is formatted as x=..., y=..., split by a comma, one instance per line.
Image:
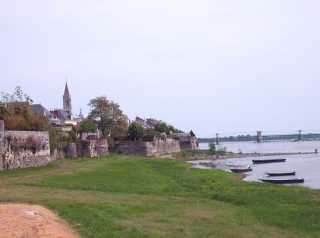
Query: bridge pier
x=300, y=135
x=217, y=139
x=259, y=137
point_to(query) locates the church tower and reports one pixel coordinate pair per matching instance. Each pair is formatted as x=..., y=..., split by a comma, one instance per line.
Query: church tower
x=67, y=101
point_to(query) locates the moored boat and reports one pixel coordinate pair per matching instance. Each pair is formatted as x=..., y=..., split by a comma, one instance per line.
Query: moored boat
x=266, y=161
x=241, y=170
x=276, y=174
x=207, y=164
x=283, y=180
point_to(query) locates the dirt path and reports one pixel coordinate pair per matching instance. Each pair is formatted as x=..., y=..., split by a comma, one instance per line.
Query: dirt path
x=31, y=221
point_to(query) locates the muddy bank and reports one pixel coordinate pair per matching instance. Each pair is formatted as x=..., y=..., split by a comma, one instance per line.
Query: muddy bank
x=32, y=221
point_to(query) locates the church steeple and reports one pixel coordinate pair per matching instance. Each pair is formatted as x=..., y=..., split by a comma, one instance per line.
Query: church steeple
x=66, y=90
x=67, y=101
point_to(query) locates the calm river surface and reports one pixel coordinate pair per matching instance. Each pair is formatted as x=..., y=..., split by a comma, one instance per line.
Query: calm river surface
x=268, y=147
x=307, y=166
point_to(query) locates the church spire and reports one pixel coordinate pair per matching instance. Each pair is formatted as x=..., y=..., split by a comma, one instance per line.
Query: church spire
x=67, y=101
x=66, y=90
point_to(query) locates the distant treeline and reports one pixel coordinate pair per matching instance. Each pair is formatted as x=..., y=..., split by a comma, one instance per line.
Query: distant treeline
x=311, y=136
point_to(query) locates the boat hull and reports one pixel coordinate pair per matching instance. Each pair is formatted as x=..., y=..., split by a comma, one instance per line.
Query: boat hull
x=269, y=161
x=283, y=181
x=241, y=170
x=280, y=174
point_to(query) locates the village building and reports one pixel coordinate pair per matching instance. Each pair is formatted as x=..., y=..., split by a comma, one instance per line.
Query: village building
x=38, y=108
x=63, y=117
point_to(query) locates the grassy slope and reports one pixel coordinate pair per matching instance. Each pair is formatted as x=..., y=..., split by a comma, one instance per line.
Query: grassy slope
x=120, y=196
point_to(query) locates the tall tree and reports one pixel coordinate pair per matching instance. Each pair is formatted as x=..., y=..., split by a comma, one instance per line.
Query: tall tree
x=17, y=96
x=110, y=118
x=16, y=111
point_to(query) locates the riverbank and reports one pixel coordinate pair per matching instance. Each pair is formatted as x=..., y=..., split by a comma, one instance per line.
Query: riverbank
x=128, y=196
x=208, y=155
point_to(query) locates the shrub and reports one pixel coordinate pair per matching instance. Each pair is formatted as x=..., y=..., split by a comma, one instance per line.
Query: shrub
x=135, y=131
x=88, y=125
x=162, y=128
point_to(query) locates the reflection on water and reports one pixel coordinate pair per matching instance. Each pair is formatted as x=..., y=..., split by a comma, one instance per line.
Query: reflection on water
x=268, y=147
x=306, y=166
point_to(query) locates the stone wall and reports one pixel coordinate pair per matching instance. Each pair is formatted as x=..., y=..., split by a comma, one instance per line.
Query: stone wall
x=22, y=149
x=190, y=144
x=1, y=136
x=187, y=141
x=153, y=148
x=92, y=148
x=88, y=148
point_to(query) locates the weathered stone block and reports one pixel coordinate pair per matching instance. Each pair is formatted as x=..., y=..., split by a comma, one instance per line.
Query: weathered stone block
x=1, y=135
x=24, y=149
x=72, y=150
x=92, y=148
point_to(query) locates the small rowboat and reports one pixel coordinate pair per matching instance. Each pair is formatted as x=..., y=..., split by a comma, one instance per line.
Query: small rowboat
x=276, y=174
x=241, y=170
x=289, y=180
x=267, y=161
x=207, y=164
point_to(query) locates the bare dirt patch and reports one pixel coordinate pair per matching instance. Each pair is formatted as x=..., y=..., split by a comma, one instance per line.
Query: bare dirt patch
x=31, y=221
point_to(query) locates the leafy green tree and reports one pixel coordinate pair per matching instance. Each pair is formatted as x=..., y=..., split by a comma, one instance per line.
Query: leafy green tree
x=110, y=118
x=16, y=122
x=17, y=96
x=16, y=111
x=59, y=139
x=38, y=122
x=135, y=131
x=3, y=111
x=88, y=125
x=162, y=128
x=173, y=129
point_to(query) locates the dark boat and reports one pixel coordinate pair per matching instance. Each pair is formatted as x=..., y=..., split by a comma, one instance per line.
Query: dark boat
x=267, y=161
x=241, y=170
x=207, y=164
x=276, y=174
x=289, y=180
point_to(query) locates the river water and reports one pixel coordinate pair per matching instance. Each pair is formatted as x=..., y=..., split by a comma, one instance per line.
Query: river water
x=306, y=166
x=268, y=147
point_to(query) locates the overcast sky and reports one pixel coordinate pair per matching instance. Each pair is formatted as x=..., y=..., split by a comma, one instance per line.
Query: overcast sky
x=228, y=66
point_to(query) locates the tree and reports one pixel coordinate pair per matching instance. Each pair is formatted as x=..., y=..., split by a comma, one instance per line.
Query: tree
x=174, y=130
x=162, y=128
x=16, y=111
x=17, y=96
x=38, y=122
x=110, y=118
x=135, y=131
x=3, y=111
x=88, y=125
x=16, y=122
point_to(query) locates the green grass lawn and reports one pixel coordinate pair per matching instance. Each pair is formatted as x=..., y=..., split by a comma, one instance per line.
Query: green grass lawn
x=122, y=196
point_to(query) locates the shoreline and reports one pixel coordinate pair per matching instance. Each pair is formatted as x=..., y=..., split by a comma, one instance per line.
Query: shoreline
x=242, y=155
